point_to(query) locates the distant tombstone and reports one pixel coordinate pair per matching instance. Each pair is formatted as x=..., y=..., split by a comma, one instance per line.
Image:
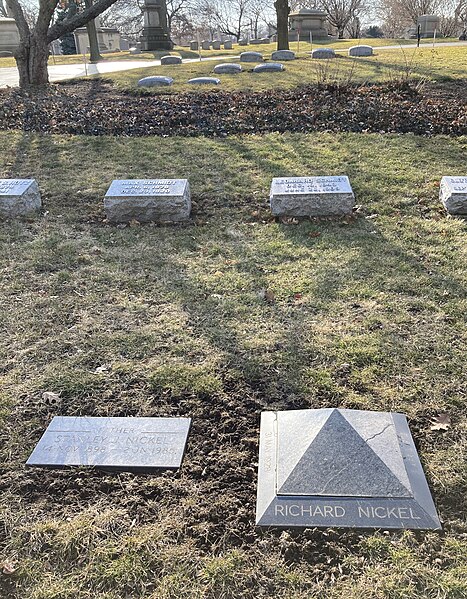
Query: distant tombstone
x=264, y=40
x=243, y=42
x=453, y=194
x=255, y=41
x=19, y=197
x=251, y=57
x=146, y=200
x=216, y=45
x=228, y=68
x=205, y=45
x=135, y=50
x=341, y=468
x=194, y=45
x=323, y=53
x=361, y=50
x=171, y=60
x=124, y=44
x=283, y=55
x=155, y=81
x=131, y=444
x=204, y=81
x=268, y=67
x=5, y=54
x=311, y=196
x=228, y=45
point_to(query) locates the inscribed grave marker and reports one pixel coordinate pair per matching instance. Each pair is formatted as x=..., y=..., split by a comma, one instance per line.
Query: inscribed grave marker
x=133, y=444
x=341, y=468
x=18, y=197
x=453, y=194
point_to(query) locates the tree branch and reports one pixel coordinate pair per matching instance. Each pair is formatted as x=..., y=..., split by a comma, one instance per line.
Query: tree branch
x=20, y=19
x=79, y=20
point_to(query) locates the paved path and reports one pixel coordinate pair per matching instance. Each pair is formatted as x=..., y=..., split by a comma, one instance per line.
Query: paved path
x=399, y=46
x=9, y=75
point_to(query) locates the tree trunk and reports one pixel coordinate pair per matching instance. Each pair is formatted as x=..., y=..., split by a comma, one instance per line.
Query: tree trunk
x=94, y=54
x=282, y=12
x=31, y=59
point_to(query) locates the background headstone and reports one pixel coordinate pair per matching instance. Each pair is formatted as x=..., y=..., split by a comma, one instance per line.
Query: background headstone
x=145, y=200
x=341, y=468
x=311, y=196
x=251, y=57
x=229, y=68
x=268, y=67
x=323, y=53
x=133, y=444
x=453, y=194
x=228, y=45
x=216, y=45
x=283, y=55
x=194, y=45
x=155, y=81
x=19, y=197
x=205, y=45
x=204, y=81
x=361, y=50
x=171, y=60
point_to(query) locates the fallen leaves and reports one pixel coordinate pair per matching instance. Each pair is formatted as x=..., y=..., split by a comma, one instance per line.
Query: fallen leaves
x=8, y=566
x=372, y=108
x=442, y=422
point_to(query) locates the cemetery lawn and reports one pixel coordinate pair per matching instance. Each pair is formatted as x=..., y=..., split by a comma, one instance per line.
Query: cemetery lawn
x=439, y=64
x=219, y=320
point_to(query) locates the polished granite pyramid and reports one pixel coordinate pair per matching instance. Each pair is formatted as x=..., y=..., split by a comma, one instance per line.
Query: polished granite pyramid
x=341, y=468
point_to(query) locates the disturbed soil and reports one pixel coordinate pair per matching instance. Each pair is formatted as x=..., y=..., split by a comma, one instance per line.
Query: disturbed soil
x=97, y=108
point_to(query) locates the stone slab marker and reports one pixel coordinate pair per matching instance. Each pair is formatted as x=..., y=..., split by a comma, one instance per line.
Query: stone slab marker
x=19, y=197
x=145, y=200
x=453, y=194
x=133, y=444
x=341, y=468
x=311, y=196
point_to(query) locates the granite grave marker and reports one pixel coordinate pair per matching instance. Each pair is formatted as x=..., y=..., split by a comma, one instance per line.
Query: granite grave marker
x=18, y=197
x=311, y=196
x=341, y=468
x=132, y=444
x=453, y=194
x=145, y=200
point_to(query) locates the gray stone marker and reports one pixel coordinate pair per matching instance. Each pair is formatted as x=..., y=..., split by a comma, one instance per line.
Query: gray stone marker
x=283, y=55
x=361, y=50
x=268, y=67
x=205, y=81
x=145, y=200
x=19, y=197
x=453, y=194
x=251, y=57
x=194, y=45
x=243, y=42
x=216, y=45
x=155, y=81
x=171, y=60
x=341, y=468
x=134, y=444
x=311, y=196
x=228, y=45
x=205, y=45
x=228, y=68
x=323, y=53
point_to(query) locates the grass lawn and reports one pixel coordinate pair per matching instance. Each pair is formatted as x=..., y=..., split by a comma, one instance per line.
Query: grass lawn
x=142, y=320
x=424, y=63
x=266, y=48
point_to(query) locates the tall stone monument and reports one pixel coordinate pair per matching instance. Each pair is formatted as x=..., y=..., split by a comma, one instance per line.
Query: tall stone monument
x=306, y=21
x=156, y=34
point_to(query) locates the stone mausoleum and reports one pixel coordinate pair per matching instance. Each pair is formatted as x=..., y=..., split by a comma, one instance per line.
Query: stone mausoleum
x=9, y=36
x=306, y=21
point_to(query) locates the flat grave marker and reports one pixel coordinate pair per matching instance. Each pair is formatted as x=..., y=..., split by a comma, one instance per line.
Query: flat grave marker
x=131, y=444
x=311, y=196
x=19, y=197
x=145, y=200
x=341, y=468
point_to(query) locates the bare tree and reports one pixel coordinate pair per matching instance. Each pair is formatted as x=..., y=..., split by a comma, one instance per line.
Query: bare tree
x=341, y=12
x=32, y=53
x=3, y=12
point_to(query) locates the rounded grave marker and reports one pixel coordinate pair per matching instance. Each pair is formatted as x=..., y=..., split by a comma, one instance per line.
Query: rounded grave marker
x=283, y=55
x=155, y=81
x=171, y=60
x=323, y=53
x=268, y=67
x=204, y=81
x=251, y=57
x=361, y=50
x=229, y=68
